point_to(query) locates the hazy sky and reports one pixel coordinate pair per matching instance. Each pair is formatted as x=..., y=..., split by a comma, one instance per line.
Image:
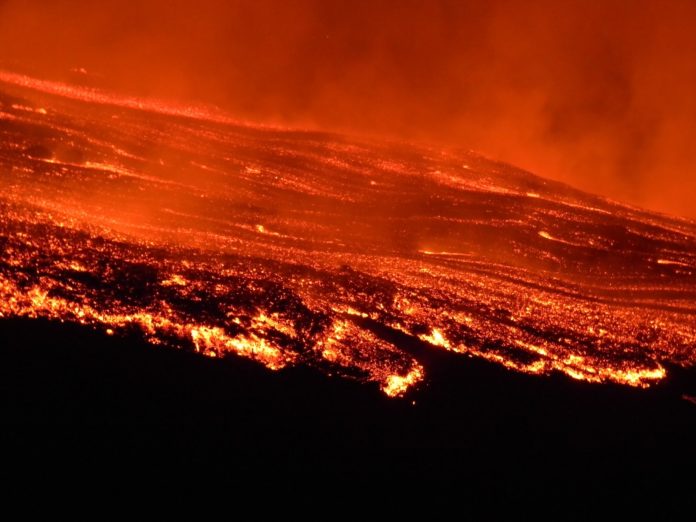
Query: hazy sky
x=598, y=94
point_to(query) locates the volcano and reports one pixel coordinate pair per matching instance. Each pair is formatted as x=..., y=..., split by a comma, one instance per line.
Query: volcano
x=359, y=259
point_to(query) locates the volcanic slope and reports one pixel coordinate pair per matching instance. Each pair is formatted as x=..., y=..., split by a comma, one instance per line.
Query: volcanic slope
x=355, y=257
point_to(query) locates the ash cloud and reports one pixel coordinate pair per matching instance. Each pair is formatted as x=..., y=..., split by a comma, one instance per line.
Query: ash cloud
x=599, y=96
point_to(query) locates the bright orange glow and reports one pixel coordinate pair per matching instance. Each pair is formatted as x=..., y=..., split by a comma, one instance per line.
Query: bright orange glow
x=595, y=94
x=398, y=385
x=350, y=256
x=436, y=338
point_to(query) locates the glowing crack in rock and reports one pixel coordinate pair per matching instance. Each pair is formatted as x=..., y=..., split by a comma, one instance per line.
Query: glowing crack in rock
x=296, y=248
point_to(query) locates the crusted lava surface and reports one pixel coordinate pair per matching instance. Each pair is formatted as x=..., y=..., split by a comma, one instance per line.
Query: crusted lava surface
x=354, y=257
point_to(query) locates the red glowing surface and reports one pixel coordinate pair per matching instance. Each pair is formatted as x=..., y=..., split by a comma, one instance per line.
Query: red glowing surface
x=291, y=247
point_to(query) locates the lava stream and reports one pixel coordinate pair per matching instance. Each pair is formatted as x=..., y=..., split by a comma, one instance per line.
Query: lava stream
x=293, y=247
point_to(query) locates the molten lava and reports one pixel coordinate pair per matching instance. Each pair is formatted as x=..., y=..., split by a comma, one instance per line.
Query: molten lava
x=350, y=256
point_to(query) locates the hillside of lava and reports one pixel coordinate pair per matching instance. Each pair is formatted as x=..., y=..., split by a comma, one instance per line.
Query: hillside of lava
x=191, y=230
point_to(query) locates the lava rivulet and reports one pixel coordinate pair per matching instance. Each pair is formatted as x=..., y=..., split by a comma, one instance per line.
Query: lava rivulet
x=352, y=256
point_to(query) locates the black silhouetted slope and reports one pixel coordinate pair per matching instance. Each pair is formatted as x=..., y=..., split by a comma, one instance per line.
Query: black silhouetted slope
x=61, y=381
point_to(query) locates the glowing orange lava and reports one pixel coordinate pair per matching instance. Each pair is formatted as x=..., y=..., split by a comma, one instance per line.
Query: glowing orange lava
x=302, y=248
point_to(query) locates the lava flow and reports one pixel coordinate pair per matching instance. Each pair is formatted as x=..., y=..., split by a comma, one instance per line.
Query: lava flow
x=288, y=247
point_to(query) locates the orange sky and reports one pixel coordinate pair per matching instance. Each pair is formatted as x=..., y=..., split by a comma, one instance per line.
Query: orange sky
x=599, y=95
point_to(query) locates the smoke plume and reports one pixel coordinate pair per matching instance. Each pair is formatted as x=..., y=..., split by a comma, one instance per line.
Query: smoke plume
x=598, y=95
